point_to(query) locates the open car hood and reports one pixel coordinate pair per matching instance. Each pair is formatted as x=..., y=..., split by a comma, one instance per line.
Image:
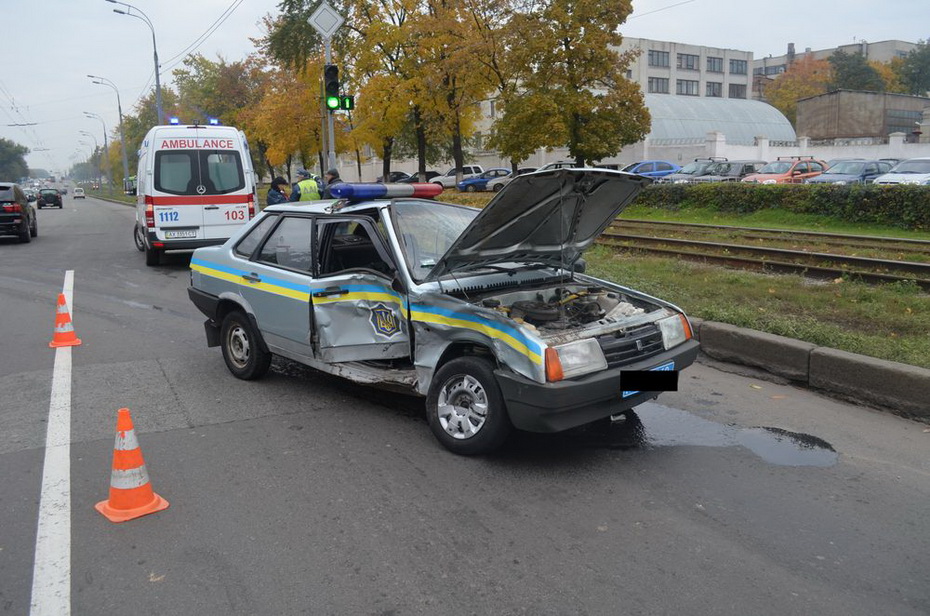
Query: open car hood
x=547, y=217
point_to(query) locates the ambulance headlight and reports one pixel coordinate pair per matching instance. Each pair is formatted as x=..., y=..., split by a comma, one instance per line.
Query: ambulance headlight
x=581, y=357
x=675, y=330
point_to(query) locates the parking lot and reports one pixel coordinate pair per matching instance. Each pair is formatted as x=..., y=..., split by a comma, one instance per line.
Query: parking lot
x=306, y=494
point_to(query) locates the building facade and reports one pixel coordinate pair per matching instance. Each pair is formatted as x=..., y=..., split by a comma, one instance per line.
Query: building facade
x=679, y=69
x=882, y=51
x=848, y=114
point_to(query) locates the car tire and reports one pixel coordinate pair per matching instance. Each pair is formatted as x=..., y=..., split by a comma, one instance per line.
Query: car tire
x=470, y=188
x=152, y=256
x=138, y=238
x=25, y=234
x=34, y=229
x=465, y=408
x=497, y=187
x=242, y=348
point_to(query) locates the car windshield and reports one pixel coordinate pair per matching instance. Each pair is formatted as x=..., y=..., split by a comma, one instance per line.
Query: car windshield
x=427, y=231
x=720, y=168
x=913, y=166
x=695, y=168
x=780, y=166
x=630, y=167
x=846, y=167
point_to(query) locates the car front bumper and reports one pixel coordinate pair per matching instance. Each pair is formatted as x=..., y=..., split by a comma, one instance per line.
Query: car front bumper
x=554, y=407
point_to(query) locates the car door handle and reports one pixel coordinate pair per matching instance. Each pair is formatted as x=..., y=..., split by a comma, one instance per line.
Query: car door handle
x=253, y=277
x=330, y=291
x=212, y=207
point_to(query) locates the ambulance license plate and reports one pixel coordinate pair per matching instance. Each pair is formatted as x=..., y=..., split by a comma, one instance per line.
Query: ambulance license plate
x=170, y=235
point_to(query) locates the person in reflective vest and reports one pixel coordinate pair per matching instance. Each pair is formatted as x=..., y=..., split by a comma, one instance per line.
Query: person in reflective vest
x=306, y=188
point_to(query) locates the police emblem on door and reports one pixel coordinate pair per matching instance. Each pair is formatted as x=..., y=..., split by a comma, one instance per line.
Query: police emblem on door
x=384, y=320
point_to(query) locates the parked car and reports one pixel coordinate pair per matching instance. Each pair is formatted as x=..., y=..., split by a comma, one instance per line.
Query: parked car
x=49, y=197
x=911, y=171
x=688, y=173
x=652, y=168
x=852, y=172
x=396, y=176
x=787, y=170
x=480, y=182
x=559, y=164
x=79, y=193
x=429, y=175
x=497, y=184
x=731, y=171
x=448, y=179
x=509, y=332
x=17, y=216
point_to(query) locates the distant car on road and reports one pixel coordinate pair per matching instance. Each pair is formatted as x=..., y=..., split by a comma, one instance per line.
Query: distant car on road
x=911, y=171
x=49, y=197
x=497, y=184
x=480, y=182
x=787, y=170
x=652, y=168
x=852, y=172
x=78, y=193
x=17, y=216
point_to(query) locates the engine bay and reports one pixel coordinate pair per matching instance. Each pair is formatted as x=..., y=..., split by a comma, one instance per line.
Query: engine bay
x=564, y=307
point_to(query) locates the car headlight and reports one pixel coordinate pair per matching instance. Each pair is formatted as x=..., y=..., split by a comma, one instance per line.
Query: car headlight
x=576, y=358
x=681, y=181
x=675, y=330
x=769, y=181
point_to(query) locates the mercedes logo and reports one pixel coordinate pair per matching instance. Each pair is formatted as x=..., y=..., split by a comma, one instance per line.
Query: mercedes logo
x=201, y=189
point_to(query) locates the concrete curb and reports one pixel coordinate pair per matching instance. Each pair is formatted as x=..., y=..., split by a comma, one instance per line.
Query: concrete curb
x=898, y=388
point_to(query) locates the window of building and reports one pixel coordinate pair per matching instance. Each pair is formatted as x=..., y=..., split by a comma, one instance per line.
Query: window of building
x=715, y=89
x=737, y=90
x=686, y=87
x=739, y=67
x=658, y=85
x=629, y=74
x=689, y=61
x=714, y=65
x=658, y=58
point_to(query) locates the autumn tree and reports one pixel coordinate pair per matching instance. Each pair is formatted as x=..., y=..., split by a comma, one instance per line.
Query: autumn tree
x=889, y=72
x=805, y=77
x=595, y=109
x=851, y=71
x=914, y=71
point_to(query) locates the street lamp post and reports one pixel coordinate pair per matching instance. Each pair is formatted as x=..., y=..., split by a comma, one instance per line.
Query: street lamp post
x=108, y=173
x=96, y=146
x=122, y=137
x=142, y=16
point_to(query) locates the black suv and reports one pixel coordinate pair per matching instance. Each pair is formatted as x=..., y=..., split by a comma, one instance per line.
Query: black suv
x=17, y=216
x=49, y=197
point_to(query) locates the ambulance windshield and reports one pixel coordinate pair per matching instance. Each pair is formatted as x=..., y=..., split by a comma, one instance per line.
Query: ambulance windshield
x=198, y=172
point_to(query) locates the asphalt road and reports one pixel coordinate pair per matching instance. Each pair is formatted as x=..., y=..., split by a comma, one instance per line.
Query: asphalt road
x=303, y=494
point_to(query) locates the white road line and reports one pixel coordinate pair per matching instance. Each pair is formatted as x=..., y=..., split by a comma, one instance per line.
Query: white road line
x=51, y=576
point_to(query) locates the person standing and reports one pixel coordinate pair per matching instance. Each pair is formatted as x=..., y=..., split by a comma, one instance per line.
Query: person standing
x=307, y=189
x=277, y=194
x=332, y=178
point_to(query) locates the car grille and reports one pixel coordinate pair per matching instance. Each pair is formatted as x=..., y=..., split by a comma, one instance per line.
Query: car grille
x=624, y=347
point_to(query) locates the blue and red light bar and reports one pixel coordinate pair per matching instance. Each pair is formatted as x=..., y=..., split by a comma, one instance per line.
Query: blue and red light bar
x=361, y=192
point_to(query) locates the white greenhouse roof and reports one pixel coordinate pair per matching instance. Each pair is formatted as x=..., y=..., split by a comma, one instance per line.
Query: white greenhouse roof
x=688, y=119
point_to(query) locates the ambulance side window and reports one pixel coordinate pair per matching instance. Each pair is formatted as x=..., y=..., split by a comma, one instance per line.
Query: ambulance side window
x=289, y=244
x=250, y=242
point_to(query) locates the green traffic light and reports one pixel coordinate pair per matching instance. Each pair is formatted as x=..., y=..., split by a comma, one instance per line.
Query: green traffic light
x=332, y=102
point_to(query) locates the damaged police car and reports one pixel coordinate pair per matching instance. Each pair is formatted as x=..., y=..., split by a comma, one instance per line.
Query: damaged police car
x=487, y=313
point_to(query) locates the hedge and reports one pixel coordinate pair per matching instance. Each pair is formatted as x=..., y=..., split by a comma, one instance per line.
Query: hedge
x=907, y=207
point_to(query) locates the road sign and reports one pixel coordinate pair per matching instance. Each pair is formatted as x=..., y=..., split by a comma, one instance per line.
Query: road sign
x=326, y=20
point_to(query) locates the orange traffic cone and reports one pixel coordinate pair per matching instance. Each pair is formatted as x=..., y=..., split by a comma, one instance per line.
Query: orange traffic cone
x=64, y=331
x=131, y=494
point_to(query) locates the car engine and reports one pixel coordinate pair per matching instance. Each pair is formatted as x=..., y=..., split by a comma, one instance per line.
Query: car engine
x=562, y=307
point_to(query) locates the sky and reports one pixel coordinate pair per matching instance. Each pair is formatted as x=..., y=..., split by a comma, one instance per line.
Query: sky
x=50, y=46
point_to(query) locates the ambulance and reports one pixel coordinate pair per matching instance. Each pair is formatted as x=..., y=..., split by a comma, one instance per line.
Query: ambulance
x=196, y=187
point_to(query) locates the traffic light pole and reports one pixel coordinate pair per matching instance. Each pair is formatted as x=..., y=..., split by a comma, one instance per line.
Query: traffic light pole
x=330, y=126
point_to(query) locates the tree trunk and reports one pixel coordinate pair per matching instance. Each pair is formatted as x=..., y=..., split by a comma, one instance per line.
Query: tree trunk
x=458, y=156
x=386, y=148
x=421, y=142
x=358, y=163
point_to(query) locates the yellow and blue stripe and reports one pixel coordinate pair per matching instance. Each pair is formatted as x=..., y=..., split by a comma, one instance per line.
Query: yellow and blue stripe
x=361, y=293
x=277, y=286
x=511, y=336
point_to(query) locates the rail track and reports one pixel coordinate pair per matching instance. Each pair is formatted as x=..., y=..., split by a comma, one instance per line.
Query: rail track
x=819, y=265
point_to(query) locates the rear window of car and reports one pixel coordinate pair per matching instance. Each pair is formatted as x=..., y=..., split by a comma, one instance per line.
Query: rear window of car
x=49, y=192
x=6, y=193
x=198, y=172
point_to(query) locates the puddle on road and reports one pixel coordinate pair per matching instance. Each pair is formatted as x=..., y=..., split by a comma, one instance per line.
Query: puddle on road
x=660, y=426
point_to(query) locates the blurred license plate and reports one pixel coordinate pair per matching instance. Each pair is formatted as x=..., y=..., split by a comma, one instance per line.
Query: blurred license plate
x=176, y=234
x=666, y=366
